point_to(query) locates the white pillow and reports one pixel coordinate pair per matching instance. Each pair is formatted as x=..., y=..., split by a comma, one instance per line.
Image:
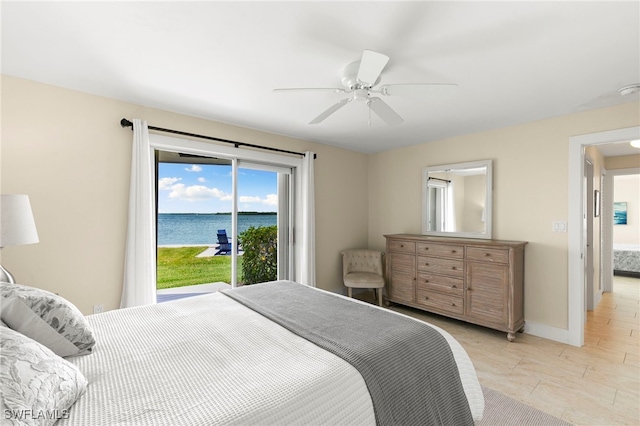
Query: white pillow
x=38, y=387
x=46, y=318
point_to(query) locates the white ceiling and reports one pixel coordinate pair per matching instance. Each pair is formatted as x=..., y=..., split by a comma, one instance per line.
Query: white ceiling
x=514, y=62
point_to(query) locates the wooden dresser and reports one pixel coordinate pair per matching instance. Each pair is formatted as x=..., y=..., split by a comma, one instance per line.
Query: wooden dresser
x=474, y=280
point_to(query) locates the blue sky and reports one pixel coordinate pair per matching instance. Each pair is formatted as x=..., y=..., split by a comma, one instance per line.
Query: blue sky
x=203, y=188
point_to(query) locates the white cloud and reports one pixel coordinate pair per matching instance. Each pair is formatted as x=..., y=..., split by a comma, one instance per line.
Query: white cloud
x=248, y=199
x=201, y=180
x=197, y=193
x=194, y=168
x=180, y=191
x=167, y=182
x=269, y=200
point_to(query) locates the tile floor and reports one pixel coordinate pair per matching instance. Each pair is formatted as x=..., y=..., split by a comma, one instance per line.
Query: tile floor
x=598, y=384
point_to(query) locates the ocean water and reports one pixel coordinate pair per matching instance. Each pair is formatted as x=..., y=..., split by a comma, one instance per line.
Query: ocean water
x=190, y=228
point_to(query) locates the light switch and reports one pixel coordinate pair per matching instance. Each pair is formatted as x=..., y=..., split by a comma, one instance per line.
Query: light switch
x=559, y=226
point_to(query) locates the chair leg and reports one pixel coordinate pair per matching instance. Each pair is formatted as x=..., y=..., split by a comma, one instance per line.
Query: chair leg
x=379, y=297
x=349, y=291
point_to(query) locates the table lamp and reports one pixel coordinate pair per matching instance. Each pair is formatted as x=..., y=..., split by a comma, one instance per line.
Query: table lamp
x=17, y=226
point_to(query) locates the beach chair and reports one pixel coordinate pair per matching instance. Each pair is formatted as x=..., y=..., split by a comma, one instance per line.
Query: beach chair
x=224, y=246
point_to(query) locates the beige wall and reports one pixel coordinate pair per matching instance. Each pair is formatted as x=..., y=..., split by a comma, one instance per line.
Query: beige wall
x=475, y=194
x=67, y=150
x=623, y=162
x=530, y=163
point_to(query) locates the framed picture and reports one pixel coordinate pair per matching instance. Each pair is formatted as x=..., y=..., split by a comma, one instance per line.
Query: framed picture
x=596, y=203
x=620, y=213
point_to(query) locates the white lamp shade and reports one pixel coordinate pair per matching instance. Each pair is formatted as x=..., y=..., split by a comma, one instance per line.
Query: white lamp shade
x=17, y=226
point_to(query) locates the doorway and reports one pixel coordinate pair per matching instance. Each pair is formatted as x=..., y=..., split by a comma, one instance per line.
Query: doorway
x=576, y=237
x=625, y=226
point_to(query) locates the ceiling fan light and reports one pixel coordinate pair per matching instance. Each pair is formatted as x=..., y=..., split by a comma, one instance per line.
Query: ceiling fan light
x=635, y=143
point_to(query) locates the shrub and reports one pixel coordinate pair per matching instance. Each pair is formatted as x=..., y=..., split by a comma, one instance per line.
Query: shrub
x=260, y=258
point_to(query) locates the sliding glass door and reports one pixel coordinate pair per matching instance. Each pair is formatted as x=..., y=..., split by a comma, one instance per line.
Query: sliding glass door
x=209, y=208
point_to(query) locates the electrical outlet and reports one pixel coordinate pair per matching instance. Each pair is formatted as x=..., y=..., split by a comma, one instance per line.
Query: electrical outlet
x=98, y=309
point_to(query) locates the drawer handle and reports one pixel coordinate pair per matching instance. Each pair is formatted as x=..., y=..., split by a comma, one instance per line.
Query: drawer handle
x=487, y=254
x=453, y=304
x=401, y=245
x=453, y=251
x=426, y=248
x=454, y=286
x=426, y=264
x=426, y=281
x=454, y=268
x=426, y=298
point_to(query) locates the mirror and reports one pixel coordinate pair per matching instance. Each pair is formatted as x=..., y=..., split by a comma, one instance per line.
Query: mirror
x=456, y=200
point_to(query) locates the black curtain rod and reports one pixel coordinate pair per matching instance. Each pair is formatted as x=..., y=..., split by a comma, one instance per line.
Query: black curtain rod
x=443, y=180
x=126, y=123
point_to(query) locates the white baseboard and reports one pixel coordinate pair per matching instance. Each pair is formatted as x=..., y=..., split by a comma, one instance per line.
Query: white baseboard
x=545, y=331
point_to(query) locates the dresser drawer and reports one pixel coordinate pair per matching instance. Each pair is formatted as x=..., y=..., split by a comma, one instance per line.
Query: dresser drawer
x=488, y=254
x=402, y=246
x=443, y=302
x=430, y=249
x=403, y=263
x=437, y=265
x=441, y=283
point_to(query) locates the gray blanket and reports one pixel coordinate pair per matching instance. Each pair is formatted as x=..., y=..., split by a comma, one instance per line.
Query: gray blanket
x=408, y=367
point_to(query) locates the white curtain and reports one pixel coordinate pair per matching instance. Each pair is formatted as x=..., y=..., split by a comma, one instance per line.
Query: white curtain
x=140, y=252
x=306, y=247
x=450, y=220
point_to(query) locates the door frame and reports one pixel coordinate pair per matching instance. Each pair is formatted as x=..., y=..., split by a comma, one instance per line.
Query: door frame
x=576, y=302
x=587, y=229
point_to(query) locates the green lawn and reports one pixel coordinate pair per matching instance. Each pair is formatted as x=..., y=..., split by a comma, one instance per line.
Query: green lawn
x=178, y=267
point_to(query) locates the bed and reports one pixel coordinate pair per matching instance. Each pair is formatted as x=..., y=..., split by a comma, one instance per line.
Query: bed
x=213, y=359
x=626, y=260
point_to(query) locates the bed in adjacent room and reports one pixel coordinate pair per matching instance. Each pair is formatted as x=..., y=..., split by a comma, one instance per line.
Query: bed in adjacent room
x=626, y=260
x=273, y=353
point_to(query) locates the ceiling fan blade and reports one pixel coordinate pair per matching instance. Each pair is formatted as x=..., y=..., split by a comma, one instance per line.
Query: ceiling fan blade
x=311, y=89
x=384, y=111
x=331, y=110
x=418, y=89
x=371, y=66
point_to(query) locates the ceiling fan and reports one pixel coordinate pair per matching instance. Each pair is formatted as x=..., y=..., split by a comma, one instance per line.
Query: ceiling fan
x=359, y=79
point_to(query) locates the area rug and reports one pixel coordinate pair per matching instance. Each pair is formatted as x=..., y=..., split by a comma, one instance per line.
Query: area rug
x=501, y=410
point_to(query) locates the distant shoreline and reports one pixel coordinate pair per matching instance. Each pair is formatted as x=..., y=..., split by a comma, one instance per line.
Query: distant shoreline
x=200, y=228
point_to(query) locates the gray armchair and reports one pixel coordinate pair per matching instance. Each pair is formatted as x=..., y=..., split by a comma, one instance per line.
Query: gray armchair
x=363, y=269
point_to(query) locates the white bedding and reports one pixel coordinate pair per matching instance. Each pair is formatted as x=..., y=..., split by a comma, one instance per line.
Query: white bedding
x=209, y=360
